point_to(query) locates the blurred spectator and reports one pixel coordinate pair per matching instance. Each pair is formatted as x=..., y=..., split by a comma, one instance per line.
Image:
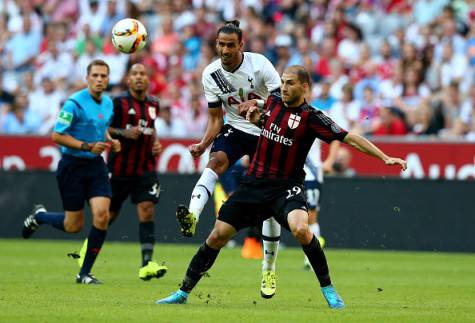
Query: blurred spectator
x=346, y=111
x=392, y=123
x=283, y=43
x=426, y=11
x=5, y=96
x=341, y=166
x=324, y=101
x=55, y=65
x=61, y=10
x=369, y=116
x=79, y=70
x=169, y=126
x=87, y=35
x=196, y=118
x=349, y=49
x=453, y=66
x=327, y=57
x=20, y=121
x=114, y=13
x=45, y=103
x=166, y=40
x=22, y=48
x=467, y=114
x=93, y=14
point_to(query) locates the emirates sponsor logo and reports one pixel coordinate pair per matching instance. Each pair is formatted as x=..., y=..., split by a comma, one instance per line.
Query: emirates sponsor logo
x=273, y=134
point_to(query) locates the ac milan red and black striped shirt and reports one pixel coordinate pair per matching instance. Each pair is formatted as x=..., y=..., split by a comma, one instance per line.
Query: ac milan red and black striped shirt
x=287, y=135
x=135, y=158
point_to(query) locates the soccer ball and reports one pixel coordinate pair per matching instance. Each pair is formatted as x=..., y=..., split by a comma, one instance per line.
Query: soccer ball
x=129, y=35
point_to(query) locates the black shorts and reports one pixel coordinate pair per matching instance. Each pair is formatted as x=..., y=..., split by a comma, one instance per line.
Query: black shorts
x=257, y=200
x=140, y=189
x=80, y=179
x=235, y=143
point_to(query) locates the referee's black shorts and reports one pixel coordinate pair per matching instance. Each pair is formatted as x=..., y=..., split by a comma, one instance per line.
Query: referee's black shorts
x=257, y=200
x=80, y=179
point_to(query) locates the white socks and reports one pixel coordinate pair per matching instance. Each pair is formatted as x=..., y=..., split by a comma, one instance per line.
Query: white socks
x=270, y=239
x=315, y=229
x=202, y=192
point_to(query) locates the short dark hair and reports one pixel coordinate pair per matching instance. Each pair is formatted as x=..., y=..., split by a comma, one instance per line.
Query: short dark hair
x=98, y=62
x=302, y=74
x=231, y=27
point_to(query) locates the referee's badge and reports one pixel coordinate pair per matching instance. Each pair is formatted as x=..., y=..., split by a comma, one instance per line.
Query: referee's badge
x=294, y=121
x=152, y=112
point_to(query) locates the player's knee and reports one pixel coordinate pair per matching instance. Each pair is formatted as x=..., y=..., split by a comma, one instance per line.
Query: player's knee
x=302, y=233
x=102, y=217
x=73, y=227
x=145, y=211
x=217, y=239
x=218, y=163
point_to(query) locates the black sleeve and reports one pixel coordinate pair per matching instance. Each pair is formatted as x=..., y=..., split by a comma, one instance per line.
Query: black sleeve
x=117, y=118
x=324, y=128
x=213, y=105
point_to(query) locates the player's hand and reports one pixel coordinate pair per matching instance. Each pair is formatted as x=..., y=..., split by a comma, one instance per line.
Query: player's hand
x=327, y=167
x=132, y=133
x=197, y=150
x=115, y=145
x=98, y=147
x=156, y=148
x=245, y=106
x=253, y=114
x=396, y=161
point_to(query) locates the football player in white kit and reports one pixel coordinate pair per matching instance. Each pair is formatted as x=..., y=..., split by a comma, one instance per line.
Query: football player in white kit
x=229, y=81
x=314, y=170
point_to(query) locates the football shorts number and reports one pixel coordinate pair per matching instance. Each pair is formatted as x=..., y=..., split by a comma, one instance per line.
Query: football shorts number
x=155, y=191
x=294, y=191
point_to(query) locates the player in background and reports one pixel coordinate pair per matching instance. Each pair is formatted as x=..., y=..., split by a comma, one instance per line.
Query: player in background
x=273, y=185
x=133, y=169
x=229, y=81
x=81, y=131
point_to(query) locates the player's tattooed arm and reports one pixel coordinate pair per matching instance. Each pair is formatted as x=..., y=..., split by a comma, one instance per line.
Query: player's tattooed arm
x=130, y=133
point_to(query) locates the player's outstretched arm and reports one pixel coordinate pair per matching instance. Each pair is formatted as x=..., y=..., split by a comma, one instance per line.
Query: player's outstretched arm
x=215, y=123
x=367, y=147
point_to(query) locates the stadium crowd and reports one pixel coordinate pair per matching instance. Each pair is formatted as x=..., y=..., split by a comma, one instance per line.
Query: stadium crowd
x=380, y=67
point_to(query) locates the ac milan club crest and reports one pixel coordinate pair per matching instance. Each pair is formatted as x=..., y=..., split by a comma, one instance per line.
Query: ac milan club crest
x=294, y=121
x=152, y=112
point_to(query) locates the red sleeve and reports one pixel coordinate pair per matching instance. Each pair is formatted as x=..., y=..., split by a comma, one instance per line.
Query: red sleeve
x=324, y=128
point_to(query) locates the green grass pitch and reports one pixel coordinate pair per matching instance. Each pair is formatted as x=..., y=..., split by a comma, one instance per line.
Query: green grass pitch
x=37, y=285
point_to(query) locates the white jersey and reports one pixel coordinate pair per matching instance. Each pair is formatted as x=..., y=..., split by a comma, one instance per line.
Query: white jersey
x=313, y=163
x=255, y=78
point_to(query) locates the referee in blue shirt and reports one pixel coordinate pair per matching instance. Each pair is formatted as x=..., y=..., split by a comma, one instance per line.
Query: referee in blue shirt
x=81, y=131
